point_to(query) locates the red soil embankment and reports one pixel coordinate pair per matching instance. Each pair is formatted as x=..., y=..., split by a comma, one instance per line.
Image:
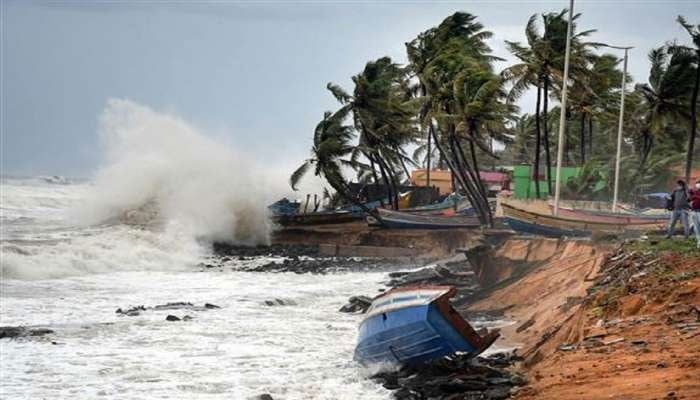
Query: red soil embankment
x=556, y=277
x=595, y=322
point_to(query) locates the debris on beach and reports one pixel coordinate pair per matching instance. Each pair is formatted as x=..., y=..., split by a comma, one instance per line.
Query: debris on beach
x=138, y=310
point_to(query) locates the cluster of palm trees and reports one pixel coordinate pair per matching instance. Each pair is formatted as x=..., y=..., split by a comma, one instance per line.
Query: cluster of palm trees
x=450, y=105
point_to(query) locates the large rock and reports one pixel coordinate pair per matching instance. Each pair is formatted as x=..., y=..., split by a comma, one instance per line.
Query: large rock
x=356, y=303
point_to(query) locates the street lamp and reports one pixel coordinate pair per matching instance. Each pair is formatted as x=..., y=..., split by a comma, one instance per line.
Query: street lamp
x=562, y=114
x=619, y=125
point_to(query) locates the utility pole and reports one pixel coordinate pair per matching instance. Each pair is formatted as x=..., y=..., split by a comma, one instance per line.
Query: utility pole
x=562, y=115
x=619, y=128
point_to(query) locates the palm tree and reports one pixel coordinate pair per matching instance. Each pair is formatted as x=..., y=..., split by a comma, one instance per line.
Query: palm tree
x=384, y=115
x=592, y=93
x=663, y=99
x=438, y=56
x=329, y=156
x=541, y=64
x=694, y=32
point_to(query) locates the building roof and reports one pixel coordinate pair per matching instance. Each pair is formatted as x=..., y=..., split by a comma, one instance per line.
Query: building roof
x=490, y=176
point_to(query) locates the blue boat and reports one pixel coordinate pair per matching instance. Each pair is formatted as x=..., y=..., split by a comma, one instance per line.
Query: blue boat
x=543, y=230
x=403, y=220
x=415, y=324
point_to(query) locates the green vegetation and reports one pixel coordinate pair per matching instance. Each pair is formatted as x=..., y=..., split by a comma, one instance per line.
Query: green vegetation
x=658, y=245
x=451, y=106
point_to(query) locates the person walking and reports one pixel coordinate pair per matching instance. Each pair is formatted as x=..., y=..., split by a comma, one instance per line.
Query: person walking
x=679, y=207
x=695, y=210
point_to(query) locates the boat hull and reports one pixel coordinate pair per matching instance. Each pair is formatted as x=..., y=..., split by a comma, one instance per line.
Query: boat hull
x=612, y=218
x=419, y=331
x=549, y=225
x=401, y=220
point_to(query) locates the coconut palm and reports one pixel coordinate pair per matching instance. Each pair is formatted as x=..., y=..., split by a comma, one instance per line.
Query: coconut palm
x=541, y=63
x=330, y=154
x=384, y=116
x=438, y=56
x=664, y=97
x=592, y=93
x=694, y=32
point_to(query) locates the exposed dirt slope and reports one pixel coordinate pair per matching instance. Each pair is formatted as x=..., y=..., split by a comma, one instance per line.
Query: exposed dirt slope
x=635, y=336
x=557, y=277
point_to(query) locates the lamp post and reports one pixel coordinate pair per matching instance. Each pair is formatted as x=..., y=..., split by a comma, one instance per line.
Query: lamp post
x=619, y=126
x=562, y=114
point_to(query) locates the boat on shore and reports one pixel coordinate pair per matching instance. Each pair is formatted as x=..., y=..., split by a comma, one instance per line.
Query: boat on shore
x=610, y=217
x=317, y=218
x=403, y=220
x=531, y=222
x=415, y=324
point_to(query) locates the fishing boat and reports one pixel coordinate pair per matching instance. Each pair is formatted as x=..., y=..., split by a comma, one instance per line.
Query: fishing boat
x=548, y=225
x=416, y=324
x=403, y=220
x=317, y=218
x=610, y=217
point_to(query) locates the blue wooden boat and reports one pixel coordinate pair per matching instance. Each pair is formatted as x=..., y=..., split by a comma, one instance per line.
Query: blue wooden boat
x=548, y=225
x=403, y=220
x=415, y=324
x=543, y=230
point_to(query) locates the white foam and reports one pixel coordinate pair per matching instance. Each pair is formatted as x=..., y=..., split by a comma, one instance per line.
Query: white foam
x=212, y=190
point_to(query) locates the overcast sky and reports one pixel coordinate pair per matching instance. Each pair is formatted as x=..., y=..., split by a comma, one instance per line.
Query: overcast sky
x=252, y=74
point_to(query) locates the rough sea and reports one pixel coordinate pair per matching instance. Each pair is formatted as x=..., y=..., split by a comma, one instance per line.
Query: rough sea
x=71, y=277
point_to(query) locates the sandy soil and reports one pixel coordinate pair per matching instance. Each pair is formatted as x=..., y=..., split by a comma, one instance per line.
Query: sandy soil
x=598, y=323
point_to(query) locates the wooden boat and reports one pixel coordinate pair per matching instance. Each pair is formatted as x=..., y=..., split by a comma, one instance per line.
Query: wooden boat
x=548, y=225
x=414, y=324
x=317, y=218
x=610, y=217
x=402, y=220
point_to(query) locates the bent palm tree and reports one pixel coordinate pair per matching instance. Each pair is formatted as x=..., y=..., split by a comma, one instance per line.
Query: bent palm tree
x=694, y=32
x=328, y=157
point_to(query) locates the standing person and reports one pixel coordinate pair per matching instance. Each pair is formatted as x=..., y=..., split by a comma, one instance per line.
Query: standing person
x=695, y=210
x=679, y=207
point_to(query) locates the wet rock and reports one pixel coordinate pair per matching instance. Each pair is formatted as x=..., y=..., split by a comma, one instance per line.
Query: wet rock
x=131, y=312
x=172, y=318
x=263, y=396
x=280, y=302
x=454, y=377
x=277, y=250
x=180, y=305
x=21, y=331
x=357, y=304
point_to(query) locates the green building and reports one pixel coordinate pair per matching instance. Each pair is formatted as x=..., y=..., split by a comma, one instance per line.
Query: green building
x=524, y=185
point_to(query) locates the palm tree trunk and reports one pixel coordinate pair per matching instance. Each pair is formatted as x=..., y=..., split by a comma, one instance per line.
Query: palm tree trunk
x=693, y=122
x=385, y=178
x=455, y=169
x=538, y=134
x=583, y=138
x=473, y=193
x=427, y=168
x=590, y=136
x=547, y=153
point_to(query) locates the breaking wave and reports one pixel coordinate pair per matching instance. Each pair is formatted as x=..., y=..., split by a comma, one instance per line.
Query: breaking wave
x=160, y=168
x=165, y=191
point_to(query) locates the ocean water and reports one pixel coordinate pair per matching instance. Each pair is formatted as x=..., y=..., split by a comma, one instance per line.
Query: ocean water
x=71, y=278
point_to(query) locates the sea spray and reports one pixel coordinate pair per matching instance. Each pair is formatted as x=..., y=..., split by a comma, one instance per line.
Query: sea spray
x=188, y=178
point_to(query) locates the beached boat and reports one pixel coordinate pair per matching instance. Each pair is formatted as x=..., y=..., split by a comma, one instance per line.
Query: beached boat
x=548, y=225
x=317, y=218
x=403, y=220
x=415, y=324
x=610, y=217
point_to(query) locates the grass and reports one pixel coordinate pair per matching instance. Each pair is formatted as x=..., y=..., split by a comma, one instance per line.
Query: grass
x=659, y=244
